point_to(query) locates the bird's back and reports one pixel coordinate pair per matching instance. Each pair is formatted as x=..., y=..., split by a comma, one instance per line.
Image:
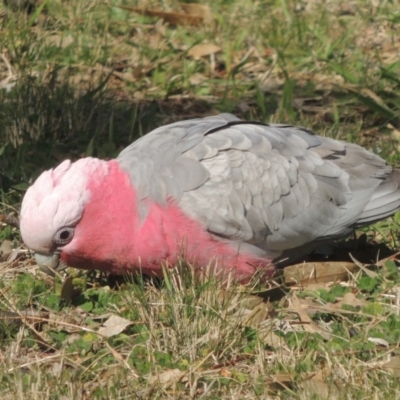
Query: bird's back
x=272, y=187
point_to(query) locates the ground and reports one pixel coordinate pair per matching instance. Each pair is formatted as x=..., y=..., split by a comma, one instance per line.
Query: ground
x=86, y=78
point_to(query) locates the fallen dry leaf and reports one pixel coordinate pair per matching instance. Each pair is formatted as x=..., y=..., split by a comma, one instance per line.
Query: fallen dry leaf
x=172, y=18
x=351, y=300
x=17, y=253
x=393, y=366
x=109, y=372
x=271, y=339
x=6, y=249
x=318, y=386
x=26, y=316
x=281, y=381
x=67, y=289
x=308, y=324
x=251, y=301
x=59, y=40
x=310, y=306
x=168, y=376
x=225, y=372
x=379, y=341
x=203, y=49
x=318, y=272
x=258, y=314
x=10, y=219
x=114, y=326
x=200, y=10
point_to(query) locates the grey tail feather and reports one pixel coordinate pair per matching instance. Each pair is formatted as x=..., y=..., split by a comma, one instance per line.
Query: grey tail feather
x=384, y=202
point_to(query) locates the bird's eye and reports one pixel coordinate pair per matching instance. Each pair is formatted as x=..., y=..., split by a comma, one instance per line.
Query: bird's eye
x=63, y=236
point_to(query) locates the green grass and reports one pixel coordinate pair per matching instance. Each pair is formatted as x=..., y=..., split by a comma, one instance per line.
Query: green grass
x=87, y=78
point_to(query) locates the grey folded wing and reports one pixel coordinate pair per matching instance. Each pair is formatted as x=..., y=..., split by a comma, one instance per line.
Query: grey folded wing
x=276, y=187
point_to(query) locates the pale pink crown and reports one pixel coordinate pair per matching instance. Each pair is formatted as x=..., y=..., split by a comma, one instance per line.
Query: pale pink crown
x=57, y=199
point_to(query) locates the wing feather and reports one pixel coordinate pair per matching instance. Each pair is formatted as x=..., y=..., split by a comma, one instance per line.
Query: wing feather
x=278, y=187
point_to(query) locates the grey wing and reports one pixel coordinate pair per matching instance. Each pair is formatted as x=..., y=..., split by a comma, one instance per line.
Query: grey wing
x=276, y=187
x=157, y=165
x=269, y=189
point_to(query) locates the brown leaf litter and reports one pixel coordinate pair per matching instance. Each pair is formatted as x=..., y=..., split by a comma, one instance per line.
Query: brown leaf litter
x=193, y=14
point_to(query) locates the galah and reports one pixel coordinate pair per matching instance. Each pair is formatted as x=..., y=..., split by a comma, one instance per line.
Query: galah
x=236, y=195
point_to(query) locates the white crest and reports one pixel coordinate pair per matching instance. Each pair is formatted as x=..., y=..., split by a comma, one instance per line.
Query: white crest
x=57, y=199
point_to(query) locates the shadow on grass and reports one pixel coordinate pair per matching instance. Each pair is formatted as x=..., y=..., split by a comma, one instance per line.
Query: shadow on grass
x=44, y=121
x=58, y=115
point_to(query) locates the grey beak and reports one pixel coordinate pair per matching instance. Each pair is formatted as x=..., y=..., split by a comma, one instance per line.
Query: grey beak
x=50, y=263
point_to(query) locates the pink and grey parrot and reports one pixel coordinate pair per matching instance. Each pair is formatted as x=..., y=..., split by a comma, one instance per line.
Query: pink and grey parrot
x=238, y=195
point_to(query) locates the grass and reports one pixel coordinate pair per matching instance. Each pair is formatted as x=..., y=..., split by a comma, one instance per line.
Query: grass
x=86, y=78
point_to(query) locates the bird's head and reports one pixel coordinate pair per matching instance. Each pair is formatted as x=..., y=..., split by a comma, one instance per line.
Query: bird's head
x=54, y=205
